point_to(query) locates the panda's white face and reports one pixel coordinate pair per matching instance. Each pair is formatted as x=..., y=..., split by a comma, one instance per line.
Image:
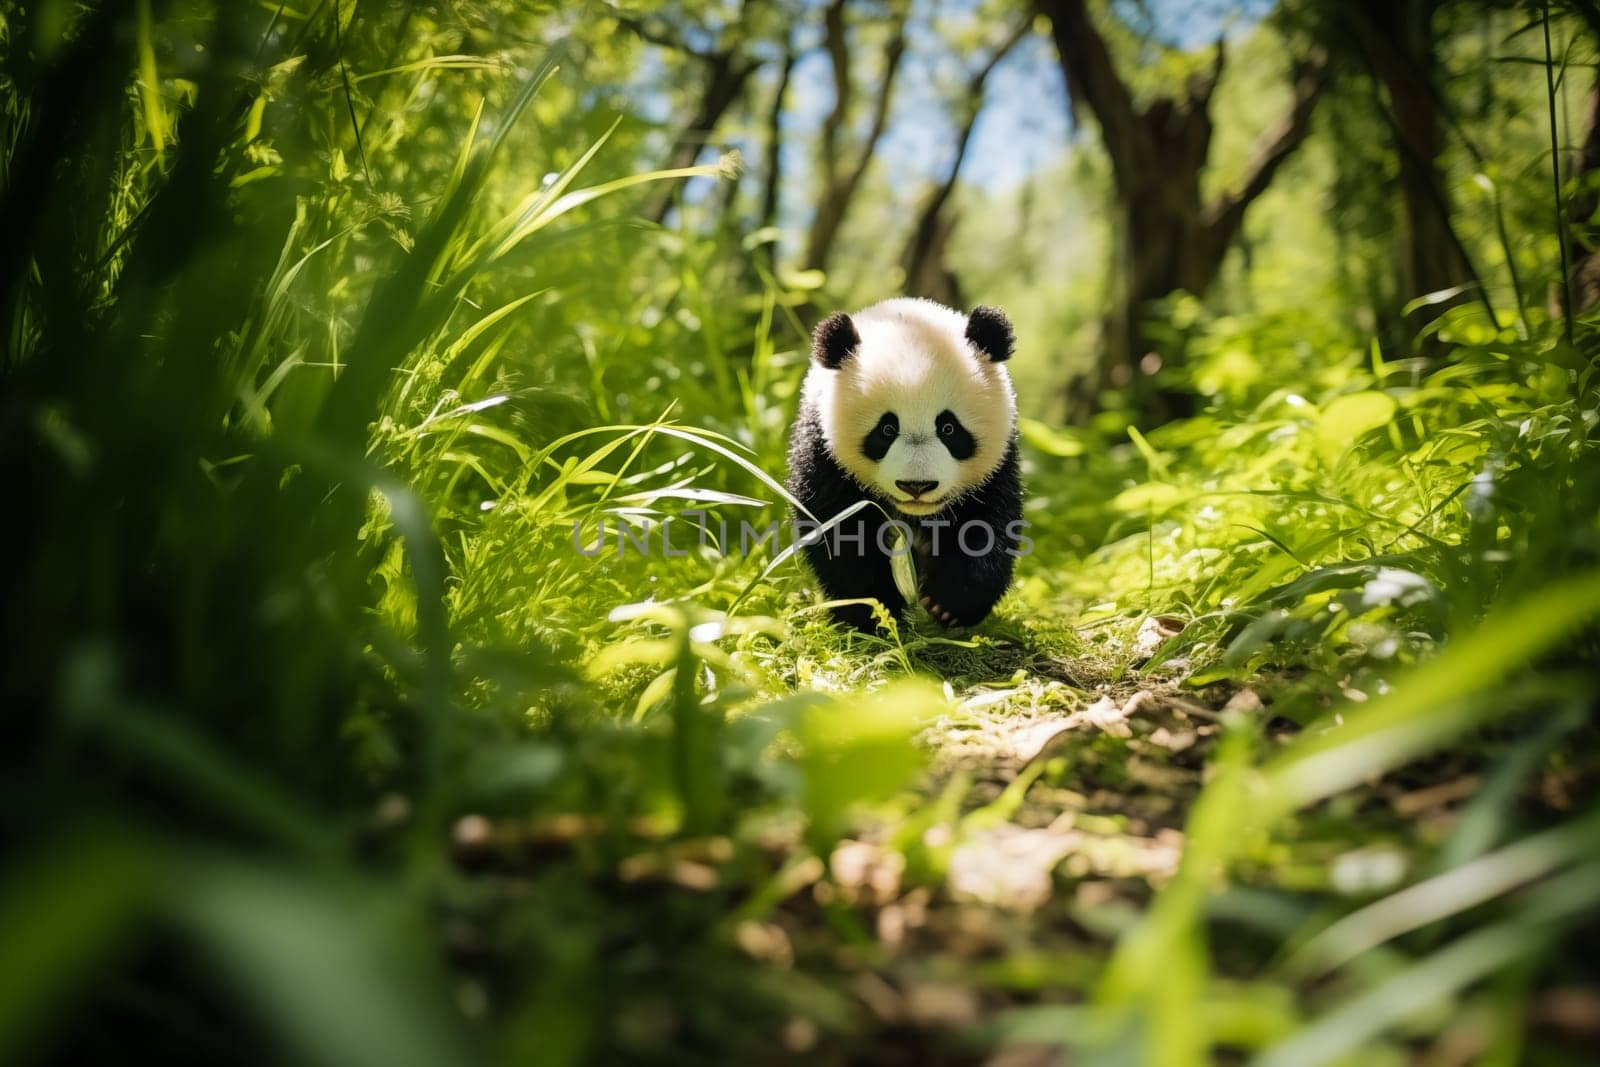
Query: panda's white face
x=913, y=407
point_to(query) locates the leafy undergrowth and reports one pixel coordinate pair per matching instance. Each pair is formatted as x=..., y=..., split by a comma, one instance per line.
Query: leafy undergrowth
x=1262, y=771
x=347, y=738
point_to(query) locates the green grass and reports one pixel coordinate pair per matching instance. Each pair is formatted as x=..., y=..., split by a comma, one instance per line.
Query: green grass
x=330, y=736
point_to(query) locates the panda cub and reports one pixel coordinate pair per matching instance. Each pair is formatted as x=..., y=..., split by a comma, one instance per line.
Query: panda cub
x=908, y=404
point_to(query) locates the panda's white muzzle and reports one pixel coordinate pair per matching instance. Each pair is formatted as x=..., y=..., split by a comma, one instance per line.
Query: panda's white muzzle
x=917, y=474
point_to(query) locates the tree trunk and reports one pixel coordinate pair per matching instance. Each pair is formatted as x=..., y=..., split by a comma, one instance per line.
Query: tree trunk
x=726, y=75
x=1166, y=248
x=772, y=171
x=1169, y=236
x=842, y=181
x=923, y=259
x=933, y=277
x=1397, y=37
x=1585, y=176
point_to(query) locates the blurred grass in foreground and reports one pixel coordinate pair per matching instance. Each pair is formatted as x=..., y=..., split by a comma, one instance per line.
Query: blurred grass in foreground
x=330, y=747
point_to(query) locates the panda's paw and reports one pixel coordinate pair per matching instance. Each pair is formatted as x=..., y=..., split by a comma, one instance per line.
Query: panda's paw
x=944, y=617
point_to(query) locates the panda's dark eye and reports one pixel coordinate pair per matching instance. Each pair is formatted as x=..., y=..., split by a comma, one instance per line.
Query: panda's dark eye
x=876, y=444
x=957, y=440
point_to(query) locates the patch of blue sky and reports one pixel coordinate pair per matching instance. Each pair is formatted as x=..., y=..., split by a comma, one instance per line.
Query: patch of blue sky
x=1190, y=24
x=1025, y=123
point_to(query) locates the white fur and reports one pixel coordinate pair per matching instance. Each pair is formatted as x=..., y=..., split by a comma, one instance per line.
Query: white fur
x=914, y=360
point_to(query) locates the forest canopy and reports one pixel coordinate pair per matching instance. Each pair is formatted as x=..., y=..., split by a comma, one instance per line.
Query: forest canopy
x=406, y=656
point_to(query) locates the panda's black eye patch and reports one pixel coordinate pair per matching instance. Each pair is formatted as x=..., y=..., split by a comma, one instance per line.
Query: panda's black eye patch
x=957, y=440
x=877, y=443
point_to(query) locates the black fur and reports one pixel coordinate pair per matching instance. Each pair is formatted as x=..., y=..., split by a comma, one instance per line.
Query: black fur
x=990, y=333
x=967, y=586
x=834, y=340
x=957, y=441
x=876, y=445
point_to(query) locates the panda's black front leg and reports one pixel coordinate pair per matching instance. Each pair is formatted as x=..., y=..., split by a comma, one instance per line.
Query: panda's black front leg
x=961, y=589
x=973, y=550
x=847, y=570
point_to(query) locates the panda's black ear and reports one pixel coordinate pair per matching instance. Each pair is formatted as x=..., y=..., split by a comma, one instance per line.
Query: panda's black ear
x=834, y=340
x=990, y=333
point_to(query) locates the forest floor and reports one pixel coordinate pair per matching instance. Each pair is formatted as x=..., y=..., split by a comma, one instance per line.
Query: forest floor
x=1057, y=794
x=975, y=919
x=1256, y=687
x=1052, y=812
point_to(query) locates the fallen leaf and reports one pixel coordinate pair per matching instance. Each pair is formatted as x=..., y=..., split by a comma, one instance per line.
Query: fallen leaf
x=1009, y=867
x=1105, y=714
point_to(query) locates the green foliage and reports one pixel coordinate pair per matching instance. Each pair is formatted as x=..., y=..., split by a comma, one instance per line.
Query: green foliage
x=350, y=726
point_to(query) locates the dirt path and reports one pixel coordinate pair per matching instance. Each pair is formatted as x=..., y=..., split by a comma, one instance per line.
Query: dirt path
x=1055, y=808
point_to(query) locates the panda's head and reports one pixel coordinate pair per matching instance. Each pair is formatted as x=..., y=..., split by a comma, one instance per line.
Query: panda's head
x=914, y=399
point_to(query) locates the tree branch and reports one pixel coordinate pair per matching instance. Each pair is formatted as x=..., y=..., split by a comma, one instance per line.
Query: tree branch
x=725, y=81
x=838, y=46
x=1203, y=86
x=772, y=175
x=880, y=104
x=926, y=230
x=1092, y=79
x=839, y=189
x=1226, y=214
x=660, y=35
x=1011, y=40
x=727, y=69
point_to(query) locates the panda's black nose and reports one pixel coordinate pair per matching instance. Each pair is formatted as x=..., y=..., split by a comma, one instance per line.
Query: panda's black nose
x=916, y=489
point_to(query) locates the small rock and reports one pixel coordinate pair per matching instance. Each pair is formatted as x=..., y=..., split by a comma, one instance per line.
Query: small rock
x=863, y=870
x=765, y=941
x=1008, y=866
x=799, y=1035
x=1245, y=700
x=947, y=1006
x=1154, y=632
x=472, y=841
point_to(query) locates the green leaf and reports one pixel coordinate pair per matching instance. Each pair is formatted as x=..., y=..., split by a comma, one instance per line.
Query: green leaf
x=860, y=749
x=62, y=913
x=1348, y=418
x=1050, y=440
x=327, y=963
x=1436, y=702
